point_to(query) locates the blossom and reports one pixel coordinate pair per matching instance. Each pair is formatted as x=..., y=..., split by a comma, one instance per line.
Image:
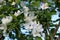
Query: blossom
x=4, y=32
x=1, y=27
x=38, y=28
x=26, y=14
x=29, y=26
x=4, y=28
x=29, y=14
x=6, y=20
x=22, y=3
x=1, y=1
x=17, y=13
x=34, y=27
x=44, y=6
x=43, y=35
x=26, y=9
x=28, y=19
x=13, y=3
x=35, y=33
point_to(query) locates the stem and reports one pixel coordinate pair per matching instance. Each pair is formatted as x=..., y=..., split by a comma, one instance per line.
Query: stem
x=56, y=28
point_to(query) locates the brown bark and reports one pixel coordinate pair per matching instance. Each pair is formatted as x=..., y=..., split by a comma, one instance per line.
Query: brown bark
x=56, y=28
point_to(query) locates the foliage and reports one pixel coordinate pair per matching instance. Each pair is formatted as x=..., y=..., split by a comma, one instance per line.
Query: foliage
x=43, y=16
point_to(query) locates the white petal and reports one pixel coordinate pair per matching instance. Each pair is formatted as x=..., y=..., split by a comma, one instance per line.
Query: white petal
x=44, y=6
x=6, y=20
x=13, y=3
x=43, y=35
x=2, y=28
x=35, y=33
x=26, y=9
x=17, y=13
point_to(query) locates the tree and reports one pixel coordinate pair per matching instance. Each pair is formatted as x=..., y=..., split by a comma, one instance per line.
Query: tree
x=31, y=15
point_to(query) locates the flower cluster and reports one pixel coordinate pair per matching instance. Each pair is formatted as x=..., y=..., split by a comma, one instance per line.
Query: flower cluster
x=13, y=3
x=44, y=6
x=17, y=13
x=7, y=20
x=33, y=26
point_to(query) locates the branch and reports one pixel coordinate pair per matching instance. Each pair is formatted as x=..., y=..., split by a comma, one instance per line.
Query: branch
x=56, y=28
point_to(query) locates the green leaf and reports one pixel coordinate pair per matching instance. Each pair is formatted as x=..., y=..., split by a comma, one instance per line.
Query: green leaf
x=17, y=1
x=52, y=31
x=47, y=37
x=38, y=38
x=35, y=3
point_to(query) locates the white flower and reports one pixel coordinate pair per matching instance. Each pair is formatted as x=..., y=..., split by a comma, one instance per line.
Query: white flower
x=4, y=28
x=22, y=3
x=4, y=32
x=26, y=9
x=43, y=35
x=1, y=1
x=6, y=20
x=28, y=19
x=31, y=14
x=44, y=6
x=26, y=14
x=56, y=36
x=28, y=26
x=13, y=3
x=35, y=27
x=1, y=27
x=38, y=27
x=35, y=33
x=17, y=13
